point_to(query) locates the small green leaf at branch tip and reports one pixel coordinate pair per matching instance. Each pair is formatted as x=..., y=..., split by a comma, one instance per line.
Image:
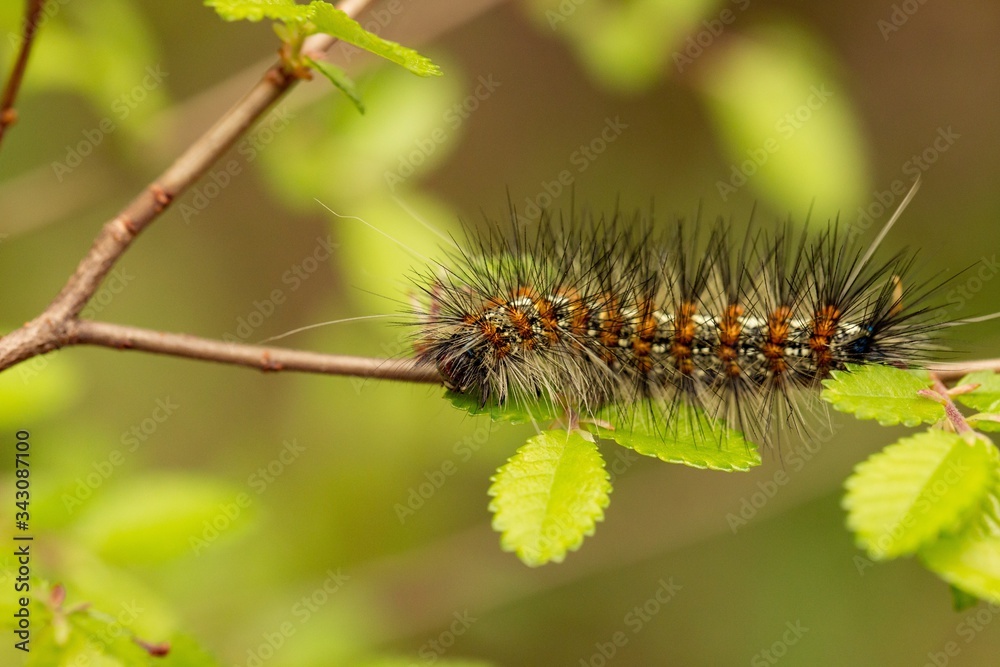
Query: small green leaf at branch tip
x=691, y=438
x=319, y=16
x=549, y=496
x=339, y=79
x=985, y=397
x=256, y=10
x=886, y=394
x=332, y=21
x=540, y=412
x=917, y=490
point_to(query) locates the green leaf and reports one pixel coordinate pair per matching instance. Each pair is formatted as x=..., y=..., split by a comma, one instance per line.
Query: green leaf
x=159, y=517
x=691, y=438
x=549, y=495
x=915, y=490
x=319, y=16
x=624, y=46
x=886, y=394
x=107, y=52
x=255, y=10
x=332, y=21
x=984, y=421
x=541, y=412
x=92, y=636
x=970, y=560
x=787, y=127
x=333, y=154
x=985, y=398
x=339, y=79
x=960, y=600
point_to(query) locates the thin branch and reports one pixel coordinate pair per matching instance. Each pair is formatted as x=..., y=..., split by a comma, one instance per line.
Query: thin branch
x=86, y=332
x=940, y=394
x=951, y=372
x=116, y=236
x=27, y=192
x=8, y=115
x=49, y=330
x=123, y=337
x=58, y=326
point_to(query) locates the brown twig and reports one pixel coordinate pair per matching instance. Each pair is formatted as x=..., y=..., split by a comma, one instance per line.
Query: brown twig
x=56, y=326
x=118, y=336
x=8, y=116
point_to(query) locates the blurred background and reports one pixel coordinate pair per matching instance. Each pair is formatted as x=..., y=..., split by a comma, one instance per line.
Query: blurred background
x=305, y=520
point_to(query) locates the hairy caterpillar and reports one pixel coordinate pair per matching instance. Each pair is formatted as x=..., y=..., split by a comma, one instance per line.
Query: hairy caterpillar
x=586, y=312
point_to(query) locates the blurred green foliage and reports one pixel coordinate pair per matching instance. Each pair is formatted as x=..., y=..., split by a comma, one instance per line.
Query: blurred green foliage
x=321, y=568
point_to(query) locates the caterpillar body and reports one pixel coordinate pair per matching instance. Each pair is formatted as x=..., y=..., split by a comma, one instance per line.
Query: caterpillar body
x=587, y=312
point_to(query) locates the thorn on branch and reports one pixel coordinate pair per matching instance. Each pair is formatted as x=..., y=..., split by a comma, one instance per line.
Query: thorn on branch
x=161, y=197
x=129, y=224
x=275, y=76
x=268, y=365
x=156, y=650
x=294, y=62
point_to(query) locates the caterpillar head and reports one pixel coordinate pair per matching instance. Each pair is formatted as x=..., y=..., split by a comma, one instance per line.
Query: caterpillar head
x=464, y=360
x=870, y=344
